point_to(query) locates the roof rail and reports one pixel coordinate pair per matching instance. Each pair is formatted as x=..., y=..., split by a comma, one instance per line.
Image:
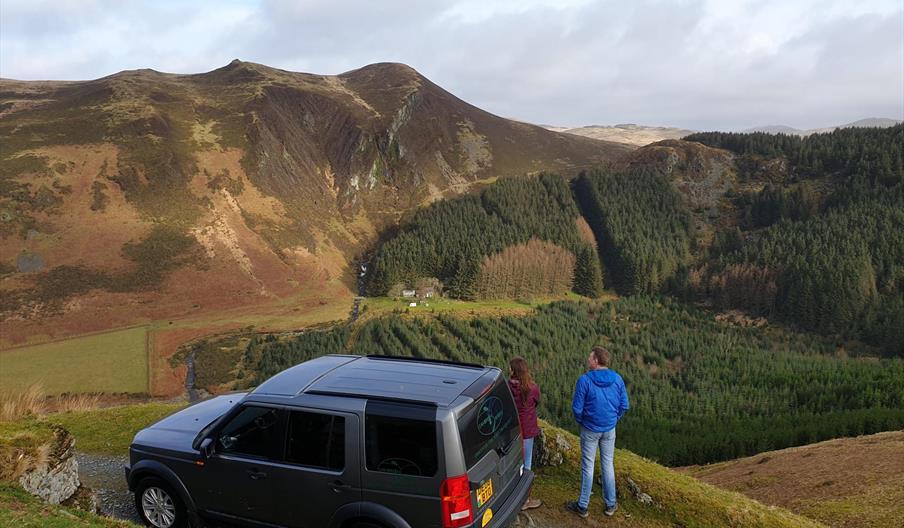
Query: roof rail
x=426, y=360
x=410, y=401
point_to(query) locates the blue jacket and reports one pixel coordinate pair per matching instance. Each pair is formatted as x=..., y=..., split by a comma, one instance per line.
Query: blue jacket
x=600, y=399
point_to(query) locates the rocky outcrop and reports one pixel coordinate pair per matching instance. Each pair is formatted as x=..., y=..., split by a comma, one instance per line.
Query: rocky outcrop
x=553, y=447
x=55, y=479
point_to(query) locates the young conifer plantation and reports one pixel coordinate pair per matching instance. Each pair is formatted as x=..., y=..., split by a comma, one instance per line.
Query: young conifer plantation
x=701, y=390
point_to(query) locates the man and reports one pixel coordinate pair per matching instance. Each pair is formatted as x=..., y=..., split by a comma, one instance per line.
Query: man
x=600, y=399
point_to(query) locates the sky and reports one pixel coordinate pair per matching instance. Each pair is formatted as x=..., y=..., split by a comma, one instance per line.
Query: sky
x=698, y=64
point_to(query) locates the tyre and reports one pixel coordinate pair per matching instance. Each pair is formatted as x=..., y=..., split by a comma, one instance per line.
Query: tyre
x=158, y=505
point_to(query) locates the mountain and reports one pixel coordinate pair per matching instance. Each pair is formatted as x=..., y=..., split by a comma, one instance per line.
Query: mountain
x=878, y=122
x=845, y=482
x=144, y=195
x=629, y=134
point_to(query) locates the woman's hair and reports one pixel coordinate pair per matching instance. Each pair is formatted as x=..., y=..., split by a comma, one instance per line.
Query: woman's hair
x=521, y=373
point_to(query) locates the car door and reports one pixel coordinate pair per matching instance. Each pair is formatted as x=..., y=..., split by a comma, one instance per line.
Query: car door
x=242, y=476
x=323, y=467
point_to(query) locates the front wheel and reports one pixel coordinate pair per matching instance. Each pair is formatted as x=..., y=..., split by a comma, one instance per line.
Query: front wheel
x=158, y=505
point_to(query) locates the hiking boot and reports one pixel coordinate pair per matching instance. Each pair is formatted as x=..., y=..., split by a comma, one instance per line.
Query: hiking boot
x=575, y=508
x=530, y=504
x=610, y=510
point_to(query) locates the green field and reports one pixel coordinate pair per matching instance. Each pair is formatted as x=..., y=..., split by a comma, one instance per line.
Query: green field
x=109, y=362
x=377, y=306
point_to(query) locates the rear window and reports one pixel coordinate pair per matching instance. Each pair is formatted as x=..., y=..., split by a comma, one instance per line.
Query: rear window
x=491, y=423
x=400, y=439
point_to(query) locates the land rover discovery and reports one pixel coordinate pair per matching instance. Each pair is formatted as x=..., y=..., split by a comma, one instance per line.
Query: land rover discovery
x=340, y=441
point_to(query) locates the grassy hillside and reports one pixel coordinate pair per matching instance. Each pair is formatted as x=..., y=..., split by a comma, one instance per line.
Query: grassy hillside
x=677, y=500
x=851, y=482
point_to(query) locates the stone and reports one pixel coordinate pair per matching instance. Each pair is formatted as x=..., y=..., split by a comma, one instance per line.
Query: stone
x=639, y=495
x=552, y=449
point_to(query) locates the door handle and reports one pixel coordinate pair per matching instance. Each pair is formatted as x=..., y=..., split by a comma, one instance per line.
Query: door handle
x=256, y=474
x=338, y=486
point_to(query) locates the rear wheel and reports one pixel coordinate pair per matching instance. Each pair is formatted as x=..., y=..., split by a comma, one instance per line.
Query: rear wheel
x=158, y=505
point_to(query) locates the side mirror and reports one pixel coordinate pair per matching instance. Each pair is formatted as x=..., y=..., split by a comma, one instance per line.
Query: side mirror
x=206, y=447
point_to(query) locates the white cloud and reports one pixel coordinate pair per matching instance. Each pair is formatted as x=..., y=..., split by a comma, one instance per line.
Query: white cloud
x=693, y=63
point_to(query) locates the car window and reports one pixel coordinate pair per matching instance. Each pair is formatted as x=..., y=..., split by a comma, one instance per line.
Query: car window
x=398, y=444
x=254, y=431
x=316, y=440
x=490, y=423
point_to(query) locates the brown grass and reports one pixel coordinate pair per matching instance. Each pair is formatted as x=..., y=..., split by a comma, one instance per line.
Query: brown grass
x=850, y=482
x=33, y=401
x=15, y=405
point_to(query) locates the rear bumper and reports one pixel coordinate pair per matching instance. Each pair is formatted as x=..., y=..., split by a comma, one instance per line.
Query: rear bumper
x=506, y=513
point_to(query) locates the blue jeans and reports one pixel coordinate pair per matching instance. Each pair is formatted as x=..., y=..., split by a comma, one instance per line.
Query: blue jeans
x=590, y=441
x=528, y=452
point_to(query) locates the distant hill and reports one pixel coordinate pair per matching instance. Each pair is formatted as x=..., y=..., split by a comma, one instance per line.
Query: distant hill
x=849, y=482
x=629, y=134
x=174, y=195
x=880, y=122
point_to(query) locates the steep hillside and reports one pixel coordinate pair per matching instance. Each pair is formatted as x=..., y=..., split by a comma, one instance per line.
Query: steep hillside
x=850, y=482
x=145, y=195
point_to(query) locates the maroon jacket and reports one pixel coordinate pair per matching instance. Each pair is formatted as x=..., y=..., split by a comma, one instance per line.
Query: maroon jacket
x=527, y=408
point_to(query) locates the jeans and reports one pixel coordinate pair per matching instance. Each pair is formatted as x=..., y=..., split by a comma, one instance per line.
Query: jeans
x=528, y=452
x=590, y=441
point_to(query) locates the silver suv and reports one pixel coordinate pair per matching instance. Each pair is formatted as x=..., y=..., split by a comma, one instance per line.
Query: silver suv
x=340, y=441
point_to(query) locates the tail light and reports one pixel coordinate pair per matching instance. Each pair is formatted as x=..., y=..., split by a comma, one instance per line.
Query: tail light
x=455, y=495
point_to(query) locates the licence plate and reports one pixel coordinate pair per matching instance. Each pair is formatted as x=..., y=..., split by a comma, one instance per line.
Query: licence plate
x=484, y=493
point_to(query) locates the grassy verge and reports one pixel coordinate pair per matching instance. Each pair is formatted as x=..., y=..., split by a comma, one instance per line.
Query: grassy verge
x=111, y=362
x=678, y=500
x=110, y=431
x=22, y=510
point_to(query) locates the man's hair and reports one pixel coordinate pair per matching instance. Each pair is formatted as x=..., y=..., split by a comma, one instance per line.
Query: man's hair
x=601, y=355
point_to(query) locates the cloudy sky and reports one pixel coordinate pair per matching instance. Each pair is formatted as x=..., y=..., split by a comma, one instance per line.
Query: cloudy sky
x=702, y=64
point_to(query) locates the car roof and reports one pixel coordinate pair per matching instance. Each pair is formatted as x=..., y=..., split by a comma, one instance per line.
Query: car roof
x=414, y=380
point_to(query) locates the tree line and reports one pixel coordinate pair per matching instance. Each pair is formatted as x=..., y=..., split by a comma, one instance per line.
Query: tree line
x=858, y=157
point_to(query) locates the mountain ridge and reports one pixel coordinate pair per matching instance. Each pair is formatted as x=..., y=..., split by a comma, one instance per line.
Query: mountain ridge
x=268, y=182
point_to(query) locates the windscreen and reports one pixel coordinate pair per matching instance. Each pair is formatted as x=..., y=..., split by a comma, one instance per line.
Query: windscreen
x=490, y=423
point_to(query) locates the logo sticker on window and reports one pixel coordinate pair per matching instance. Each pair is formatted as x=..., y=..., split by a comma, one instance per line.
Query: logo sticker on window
x=490, y=416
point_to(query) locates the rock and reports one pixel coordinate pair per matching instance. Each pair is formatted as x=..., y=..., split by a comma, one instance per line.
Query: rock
x=53, y=483
x=553, y=448
x=57, y=479
x=638, y=494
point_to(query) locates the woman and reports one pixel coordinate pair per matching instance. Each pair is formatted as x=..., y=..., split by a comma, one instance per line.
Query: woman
x=527, y=396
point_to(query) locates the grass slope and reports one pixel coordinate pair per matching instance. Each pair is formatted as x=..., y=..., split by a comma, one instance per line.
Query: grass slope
x=110, y=431
x=851, y=482
x=106, y=362
x=679, y=500
x=21, y=510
